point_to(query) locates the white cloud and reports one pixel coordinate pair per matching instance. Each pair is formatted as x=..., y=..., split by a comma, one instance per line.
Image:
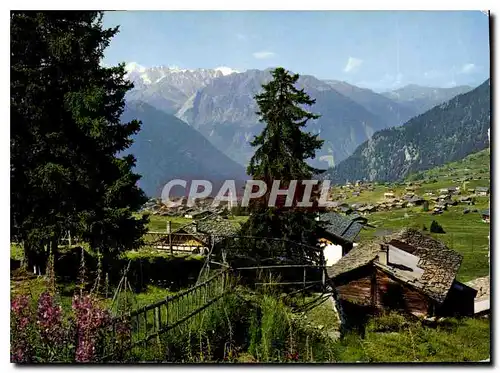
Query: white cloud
x=263, y=55
x=241, y=37
x=468, y=68
x=353, y=64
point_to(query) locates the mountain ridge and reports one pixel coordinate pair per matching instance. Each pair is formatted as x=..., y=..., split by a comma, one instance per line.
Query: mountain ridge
x=225, y=112
x=167, y=148
x=456, y=128
x=221, y=106
x=423, y=98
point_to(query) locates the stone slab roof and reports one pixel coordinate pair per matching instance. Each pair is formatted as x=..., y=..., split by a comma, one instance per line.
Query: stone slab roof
x=440, y=264
x=340, y=226
x=213, y=225
x=482, y=285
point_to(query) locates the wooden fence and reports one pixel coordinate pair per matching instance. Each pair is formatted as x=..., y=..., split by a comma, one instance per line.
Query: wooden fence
x=152, y=321
x=155, y=319
x=177, y=242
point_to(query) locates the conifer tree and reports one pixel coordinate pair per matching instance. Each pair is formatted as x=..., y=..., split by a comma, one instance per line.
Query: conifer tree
x=281, y=153
x=283, y=147
x=66, y=136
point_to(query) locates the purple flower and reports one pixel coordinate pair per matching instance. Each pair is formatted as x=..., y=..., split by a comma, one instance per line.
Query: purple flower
x=49, y=319
x=90, y=321
x=21, y=317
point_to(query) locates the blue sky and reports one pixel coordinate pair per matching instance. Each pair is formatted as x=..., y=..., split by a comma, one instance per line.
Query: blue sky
x=380, y=50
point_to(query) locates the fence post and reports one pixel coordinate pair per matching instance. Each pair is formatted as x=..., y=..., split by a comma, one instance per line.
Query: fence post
x=323, y=270
x=169, y=232
x=223, y=281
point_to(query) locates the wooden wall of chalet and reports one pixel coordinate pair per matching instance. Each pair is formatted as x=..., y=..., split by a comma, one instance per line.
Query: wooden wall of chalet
x=355, y=286
x=389, y=293
x=373, y=288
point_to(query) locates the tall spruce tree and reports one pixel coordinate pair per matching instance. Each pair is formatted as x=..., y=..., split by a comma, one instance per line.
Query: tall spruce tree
x=66, y=136
x=281, y=153
x=282, y=147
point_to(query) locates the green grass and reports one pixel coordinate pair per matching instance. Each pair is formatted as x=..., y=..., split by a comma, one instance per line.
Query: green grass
x=147, y=254
x=474, y=165
x=466, y=234
x=34, y=287
x=319, y=315
x=158, y=223
x=388, y=338
x=454, y=341
x=238, y=219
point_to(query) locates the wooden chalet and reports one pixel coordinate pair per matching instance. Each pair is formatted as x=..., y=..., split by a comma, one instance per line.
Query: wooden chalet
x=450, y=190
x=408, y=272
x=450, y=202
x=466, y=200
x=482, y=191
x=485, y=216
x=415, y=201
x=198, y=236
x=364, y=210
x=183, y=240
x=345, y=208
x=482, y=300
x=338, y=234
x=188, y=214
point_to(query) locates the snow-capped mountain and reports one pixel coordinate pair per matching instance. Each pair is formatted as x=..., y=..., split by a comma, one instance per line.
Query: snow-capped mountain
x=226, y=70
x=168, y=87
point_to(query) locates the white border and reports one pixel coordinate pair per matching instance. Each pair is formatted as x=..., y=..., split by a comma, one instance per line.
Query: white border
x=191, y=5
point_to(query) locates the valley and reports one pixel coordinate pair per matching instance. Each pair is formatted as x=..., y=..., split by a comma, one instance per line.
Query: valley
x=221, y=107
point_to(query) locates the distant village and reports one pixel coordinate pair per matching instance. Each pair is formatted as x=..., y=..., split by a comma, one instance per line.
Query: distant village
x=423, y=269
x=435, y=201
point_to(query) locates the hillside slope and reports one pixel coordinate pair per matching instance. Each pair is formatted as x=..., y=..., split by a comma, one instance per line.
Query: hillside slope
x=443, y=134
x=166, y=148
x=420, y=99
x=392, y=112
x=474, y=166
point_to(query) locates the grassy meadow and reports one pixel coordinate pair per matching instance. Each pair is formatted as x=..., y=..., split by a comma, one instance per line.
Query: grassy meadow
x=307, y=326
x=465, y=233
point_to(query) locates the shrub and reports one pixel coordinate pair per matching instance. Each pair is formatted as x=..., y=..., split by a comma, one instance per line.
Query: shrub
x=436, y=227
